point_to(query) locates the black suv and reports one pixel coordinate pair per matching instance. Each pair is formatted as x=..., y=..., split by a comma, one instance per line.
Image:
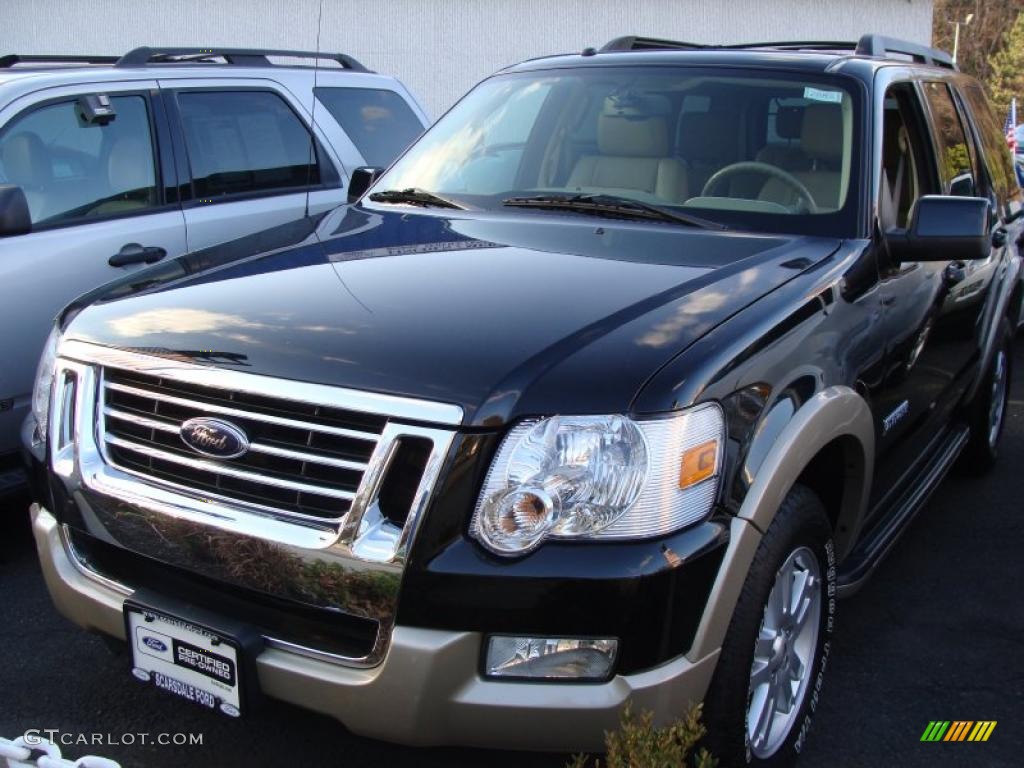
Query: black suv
x=605, y=391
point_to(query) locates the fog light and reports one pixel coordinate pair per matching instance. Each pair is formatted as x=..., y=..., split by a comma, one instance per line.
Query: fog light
x=551, y=658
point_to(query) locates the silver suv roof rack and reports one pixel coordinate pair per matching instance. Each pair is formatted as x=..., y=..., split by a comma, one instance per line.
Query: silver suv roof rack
x=10, y=59
x=245, y=57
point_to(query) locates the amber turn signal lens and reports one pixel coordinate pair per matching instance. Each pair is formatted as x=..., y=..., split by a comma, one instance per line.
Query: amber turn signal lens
x=698, y=464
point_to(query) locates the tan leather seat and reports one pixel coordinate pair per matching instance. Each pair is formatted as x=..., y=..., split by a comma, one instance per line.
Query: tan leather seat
x=821, y=140
x=26, y=164
x=634, y=154
x=129, y=174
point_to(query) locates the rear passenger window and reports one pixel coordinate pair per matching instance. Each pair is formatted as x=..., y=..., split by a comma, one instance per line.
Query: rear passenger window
x=954, y=154
x=245, y=141
x=73, y=171
x=379, y=122
x=997, y=156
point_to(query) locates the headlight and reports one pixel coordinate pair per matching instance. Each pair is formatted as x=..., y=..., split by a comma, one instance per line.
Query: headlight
x=44, y=384
x=600, y=477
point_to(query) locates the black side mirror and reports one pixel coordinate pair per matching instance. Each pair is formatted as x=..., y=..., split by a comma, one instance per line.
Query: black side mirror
x=943, y=229
x=361, y=180
x=15, y=218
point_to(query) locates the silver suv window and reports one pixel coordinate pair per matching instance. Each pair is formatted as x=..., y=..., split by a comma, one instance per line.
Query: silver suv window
x=245, y=141
x=71, y=170
x=378, y=121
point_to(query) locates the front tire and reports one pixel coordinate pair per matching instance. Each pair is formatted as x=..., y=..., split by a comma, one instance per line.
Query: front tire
x=769, y=675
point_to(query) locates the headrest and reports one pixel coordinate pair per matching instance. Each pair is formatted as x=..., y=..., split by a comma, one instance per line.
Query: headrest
x=822, y=135
x=789, y=122
x=707, y=137
x=636, y=105
x=129, y=166
x=786, y=157
x=25, y=161
x=631, y=131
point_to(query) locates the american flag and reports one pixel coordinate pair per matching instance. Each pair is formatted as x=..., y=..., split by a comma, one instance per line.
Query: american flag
x=1010, y=127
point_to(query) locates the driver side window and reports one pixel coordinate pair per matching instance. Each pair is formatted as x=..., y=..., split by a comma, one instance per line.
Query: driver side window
x=906, y=164
x=74, y=171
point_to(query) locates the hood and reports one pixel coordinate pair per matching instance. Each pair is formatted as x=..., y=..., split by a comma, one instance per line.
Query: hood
x=504, y=315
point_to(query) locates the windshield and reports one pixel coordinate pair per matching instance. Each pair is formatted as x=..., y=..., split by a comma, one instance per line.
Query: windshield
x=754, y=150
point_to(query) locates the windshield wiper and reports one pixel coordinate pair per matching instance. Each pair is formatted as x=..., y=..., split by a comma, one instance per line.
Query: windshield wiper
x=611, y=205
x=414, y=196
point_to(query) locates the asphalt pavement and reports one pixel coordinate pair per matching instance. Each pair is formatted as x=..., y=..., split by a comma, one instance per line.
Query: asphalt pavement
x=937, y=634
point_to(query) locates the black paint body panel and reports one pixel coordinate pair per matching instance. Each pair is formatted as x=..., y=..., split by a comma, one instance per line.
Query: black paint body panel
x=504, y=317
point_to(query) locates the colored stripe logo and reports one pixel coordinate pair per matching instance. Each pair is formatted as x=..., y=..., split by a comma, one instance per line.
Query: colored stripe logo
x=958, y=730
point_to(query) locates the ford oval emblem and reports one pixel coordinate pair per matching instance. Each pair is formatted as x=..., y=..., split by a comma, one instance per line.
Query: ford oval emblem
x=214, y=438
x=157, y=645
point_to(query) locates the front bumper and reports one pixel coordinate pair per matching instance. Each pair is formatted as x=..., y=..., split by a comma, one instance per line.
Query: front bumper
x=426, y=691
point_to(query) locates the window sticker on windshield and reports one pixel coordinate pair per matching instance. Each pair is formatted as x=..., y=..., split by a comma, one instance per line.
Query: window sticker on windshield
x=817, y=94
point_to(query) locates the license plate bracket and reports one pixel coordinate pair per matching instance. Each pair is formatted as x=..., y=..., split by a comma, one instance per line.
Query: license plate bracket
x=189, y=652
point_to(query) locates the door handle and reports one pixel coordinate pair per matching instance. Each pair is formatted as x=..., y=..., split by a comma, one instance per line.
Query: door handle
x=999, y=237
x=133, y=253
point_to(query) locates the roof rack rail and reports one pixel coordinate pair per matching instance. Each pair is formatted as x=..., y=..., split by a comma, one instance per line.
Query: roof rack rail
x=244, y=57
x=798, y=45
x=869, y=45
x=638, y=43
x=10, y=59
x=880, y=46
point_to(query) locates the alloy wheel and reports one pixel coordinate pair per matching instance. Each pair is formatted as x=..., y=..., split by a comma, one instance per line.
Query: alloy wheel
x=784, y=652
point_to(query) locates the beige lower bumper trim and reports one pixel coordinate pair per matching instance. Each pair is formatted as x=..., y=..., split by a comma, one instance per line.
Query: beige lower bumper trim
x=426, y=691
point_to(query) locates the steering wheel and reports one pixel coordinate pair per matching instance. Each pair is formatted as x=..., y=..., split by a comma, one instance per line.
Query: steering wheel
x=754, y=166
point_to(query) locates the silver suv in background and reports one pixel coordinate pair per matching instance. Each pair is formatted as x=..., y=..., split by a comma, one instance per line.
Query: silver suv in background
x=108, y=164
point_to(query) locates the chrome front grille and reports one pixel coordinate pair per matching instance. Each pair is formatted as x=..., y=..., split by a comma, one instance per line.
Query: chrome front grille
x=305, y=460
x=321, y=510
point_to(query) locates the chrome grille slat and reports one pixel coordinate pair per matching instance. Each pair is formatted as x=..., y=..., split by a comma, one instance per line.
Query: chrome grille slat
x=242, y=414
x=142, y=421
x=221, y=468
x=305, y=461
x=270, y=450
x=312, y=521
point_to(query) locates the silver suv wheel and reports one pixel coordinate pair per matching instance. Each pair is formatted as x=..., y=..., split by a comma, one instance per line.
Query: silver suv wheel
x=784, y=652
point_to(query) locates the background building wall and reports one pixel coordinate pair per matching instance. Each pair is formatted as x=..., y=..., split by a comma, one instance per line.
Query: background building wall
x=439, y=48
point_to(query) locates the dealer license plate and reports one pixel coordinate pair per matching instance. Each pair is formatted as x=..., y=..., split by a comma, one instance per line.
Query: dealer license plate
x=184, y=659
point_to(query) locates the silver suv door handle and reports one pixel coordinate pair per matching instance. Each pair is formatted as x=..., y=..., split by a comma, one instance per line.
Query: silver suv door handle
x=133, y=253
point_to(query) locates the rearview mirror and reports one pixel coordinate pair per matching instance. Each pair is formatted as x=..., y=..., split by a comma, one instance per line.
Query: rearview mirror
x=943, y=229
x=15, y=218
x=361, y=180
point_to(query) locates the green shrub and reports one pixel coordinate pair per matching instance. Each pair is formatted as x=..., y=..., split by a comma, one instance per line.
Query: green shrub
x=639, y=744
